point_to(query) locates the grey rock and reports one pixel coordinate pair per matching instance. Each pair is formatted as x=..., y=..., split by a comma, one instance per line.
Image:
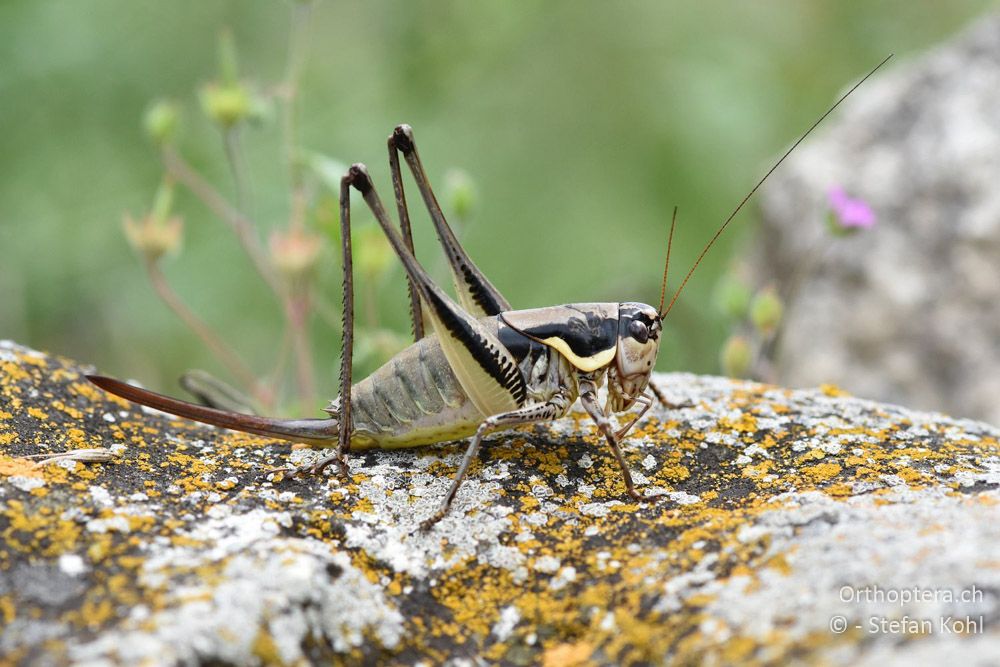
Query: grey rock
x=909, y=311
x=786, y=511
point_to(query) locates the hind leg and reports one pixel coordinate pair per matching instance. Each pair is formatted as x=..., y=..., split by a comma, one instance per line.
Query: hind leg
x=345, y=425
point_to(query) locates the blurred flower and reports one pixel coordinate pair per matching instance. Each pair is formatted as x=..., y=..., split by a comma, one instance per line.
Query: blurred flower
x=735, y=356
x=294, y=252
x=732, y=296
x=153, y=236
x=459, y=192
x=160, y=121
x=372, y=253
x=229, y=68
x=325, y=217
x=226, y=105
x=766, y=310
x=229, y=101
x=158, y=232
x=849, y=213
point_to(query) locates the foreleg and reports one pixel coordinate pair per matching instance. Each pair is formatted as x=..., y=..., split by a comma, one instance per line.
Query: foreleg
x=588, y=397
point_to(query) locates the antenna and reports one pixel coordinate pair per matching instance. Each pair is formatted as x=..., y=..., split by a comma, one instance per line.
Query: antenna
x=666, y=264
x=761, y=182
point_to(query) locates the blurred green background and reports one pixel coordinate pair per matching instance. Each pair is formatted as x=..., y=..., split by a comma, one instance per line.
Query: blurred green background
x=581, y=124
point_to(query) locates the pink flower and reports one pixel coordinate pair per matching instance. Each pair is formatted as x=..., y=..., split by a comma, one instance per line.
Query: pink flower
x=850, y=213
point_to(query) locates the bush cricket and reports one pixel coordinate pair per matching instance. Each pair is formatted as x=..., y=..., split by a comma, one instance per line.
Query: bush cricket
x=484, y=366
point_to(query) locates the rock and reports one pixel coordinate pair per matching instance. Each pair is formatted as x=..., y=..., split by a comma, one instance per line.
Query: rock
x=908, y=311
x=787, y=511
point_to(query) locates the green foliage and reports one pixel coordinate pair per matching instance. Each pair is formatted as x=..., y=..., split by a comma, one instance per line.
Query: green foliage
x=161, y=121
x=580, y=124
x=460, y=193
x=226, y=104
x=766, y=310
x=736, y=357
x=732, y=297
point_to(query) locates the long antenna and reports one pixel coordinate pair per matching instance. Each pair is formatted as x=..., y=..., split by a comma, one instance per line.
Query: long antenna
x=666, y=264
x=761, y=182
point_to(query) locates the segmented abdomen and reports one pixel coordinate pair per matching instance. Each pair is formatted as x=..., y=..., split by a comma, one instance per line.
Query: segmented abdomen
x=414, y=399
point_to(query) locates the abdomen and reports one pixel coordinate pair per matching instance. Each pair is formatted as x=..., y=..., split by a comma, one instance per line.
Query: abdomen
x=414, y=399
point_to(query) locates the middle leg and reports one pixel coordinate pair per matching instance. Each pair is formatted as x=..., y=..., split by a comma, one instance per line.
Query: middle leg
x=588, y=397
x=553, y=409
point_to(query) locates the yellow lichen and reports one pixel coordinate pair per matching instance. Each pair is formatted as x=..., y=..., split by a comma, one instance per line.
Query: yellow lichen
x=603, y=616
x=822, y=471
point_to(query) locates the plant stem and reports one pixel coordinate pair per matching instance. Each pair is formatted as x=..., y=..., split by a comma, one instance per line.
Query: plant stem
x=328, y=312
x=371, y=302
x=298, y=303
x=237, y=165
x=298, y=319
x=216, y=344
x=298, y=42
x=814, y=259
x=180, y=170
x=274, y=377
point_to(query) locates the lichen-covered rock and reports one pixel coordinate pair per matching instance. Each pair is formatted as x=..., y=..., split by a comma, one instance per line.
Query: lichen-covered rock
x=788, y=514
x=908, y=311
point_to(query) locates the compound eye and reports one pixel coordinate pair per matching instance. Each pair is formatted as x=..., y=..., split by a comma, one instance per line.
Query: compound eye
x=638, y=330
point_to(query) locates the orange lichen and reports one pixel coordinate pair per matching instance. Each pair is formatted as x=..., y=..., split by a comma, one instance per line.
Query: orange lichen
x=568, y=655
x=21, y=467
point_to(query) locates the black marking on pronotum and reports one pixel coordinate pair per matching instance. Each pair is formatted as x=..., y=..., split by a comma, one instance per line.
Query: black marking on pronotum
x=481, y=350
x=586, y=334
x=519, y=345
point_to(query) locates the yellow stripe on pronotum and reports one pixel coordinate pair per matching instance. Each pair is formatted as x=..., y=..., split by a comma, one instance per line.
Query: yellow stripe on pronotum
x=586, y=364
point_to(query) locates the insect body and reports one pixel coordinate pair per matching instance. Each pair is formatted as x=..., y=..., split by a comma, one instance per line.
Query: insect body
x=416, y=398
x=484, y=367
